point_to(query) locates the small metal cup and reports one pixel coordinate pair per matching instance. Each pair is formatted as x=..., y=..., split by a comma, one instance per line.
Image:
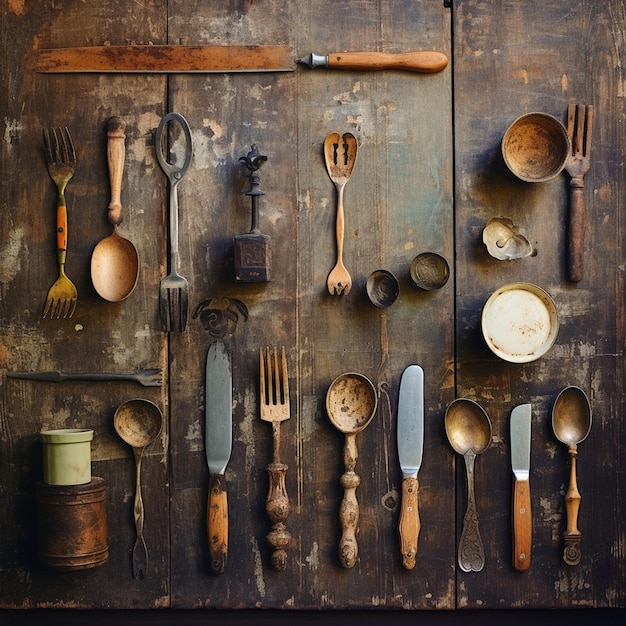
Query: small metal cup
x=382, y=288
x=429, y=271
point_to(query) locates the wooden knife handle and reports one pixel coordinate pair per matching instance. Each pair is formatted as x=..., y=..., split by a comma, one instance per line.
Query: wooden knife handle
x=576, y=243
x=409, y=523
x=217, y=523
x=522, y=525
x=423, y=61
x=116, y=153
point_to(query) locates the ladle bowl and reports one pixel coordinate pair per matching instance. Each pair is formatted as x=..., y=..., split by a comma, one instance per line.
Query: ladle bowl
x=351, y=403
x=138, y=422
x=571, y=423
x=468, y=429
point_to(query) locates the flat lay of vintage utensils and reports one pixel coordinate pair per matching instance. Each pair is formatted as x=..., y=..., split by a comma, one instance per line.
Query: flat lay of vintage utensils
x=410, y=441
x=579, y=129
x=351, y=403
x=519, y=322
x=197, y=59
x=174, y=288
x=522, y=521
x=218, y=440
x=274, y=403
x=340, y=156
x=468, y=429
x=138, y=422
x=253, y=251
x=61, y=160
x=429, y=271
x=151, y=377
x=571, y=422
x=114, y=261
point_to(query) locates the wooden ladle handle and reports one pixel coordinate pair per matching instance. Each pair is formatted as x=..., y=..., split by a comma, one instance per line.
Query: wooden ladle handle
x=349, y=509
x=116, y=154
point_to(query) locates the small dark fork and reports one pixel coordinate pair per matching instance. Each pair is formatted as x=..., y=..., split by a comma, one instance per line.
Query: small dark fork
x=579, y=127
x=61, y=158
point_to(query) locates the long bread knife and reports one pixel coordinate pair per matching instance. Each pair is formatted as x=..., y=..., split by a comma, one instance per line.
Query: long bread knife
x=520, y=462
x=410, y=436
x=163, y=59
x=218, y=444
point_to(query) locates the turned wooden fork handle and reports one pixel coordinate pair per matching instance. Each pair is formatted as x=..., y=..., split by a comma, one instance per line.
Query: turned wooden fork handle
x=575, y=262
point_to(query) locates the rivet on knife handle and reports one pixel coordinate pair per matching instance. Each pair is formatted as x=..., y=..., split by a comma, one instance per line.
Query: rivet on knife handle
x=425, y=62
x=217, y=523
x=409, y=523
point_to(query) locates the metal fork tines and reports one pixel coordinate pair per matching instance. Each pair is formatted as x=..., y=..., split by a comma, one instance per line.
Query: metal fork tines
x=579, y=129
x=61, y=159
x=274, y=401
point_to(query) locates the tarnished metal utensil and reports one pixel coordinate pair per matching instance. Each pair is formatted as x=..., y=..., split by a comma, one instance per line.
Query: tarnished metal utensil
x=351, y=403
x=274, y=403
x=174, y=288
x=138, y=422
x=340, y=156
x=147, y=377
x=114, y=261
x=469, y=432
x=571, y=422
x=61, y=159
x=579, y=129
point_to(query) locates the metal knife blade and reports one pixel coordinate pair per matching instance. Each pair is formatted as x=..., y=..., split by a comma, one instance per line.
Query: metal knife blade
x=410, y=437
x=218, y=445
x=520, y=429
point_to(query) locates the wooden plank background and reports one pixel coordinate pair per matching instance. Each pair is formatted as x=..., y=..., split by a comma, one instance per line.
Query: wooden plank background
x=426, y=178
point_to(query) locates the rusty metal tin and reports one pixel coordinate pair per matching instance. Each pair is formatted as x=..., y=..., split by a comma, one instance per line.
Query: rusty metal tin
x=72, y=530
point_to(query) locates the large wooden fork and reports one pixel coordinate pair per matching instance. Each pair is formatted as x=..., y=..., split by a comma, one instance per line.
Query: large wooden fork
x=61, y=158
x=579, y=127
x=274, y=401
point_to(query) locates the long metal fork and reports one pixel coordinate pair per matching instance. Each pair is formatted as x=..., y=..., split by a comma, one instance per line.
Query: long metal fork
x=579, y=127
x=274, y=401
x=173, y=288
x=61, y=158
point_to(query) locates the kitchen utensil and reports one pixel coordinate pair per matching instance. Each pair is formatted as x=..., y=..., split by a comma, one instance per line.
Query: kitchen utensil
x=218, y=443
x=138, y=422
x=520, y=429
x=410, y=439
x=429, y=271
x=535, y=147
x=340, y=156
x=382, y=288
x=579, y=129
x=173, y=289
x=274, y=402
x=351, y=403
x=421, y=61
x=519, y=322
x=61, y=159
x=114, y=261
x=571, y=422
x=503, y=240
x=206, y=59
x=469, y=432
x=145, y=377
x=253, y=251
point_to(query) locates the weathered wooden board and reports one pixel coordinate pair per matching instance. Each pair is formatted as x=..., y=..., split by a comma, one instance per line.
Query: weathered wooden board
x=427, y=178
x=510, y=47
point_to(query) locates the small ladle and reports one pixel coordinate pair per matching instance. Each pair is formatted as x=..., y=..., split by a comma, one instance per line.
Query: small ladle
x=571, y=422
x=469, y=432
x=114, y=261
x=138, y=422
x=351, y=403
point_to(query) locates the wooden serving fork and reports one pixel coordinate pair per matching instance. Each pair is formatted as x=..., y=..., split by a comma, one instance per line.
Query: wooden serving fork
x=274, y=401
x=579, y=127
